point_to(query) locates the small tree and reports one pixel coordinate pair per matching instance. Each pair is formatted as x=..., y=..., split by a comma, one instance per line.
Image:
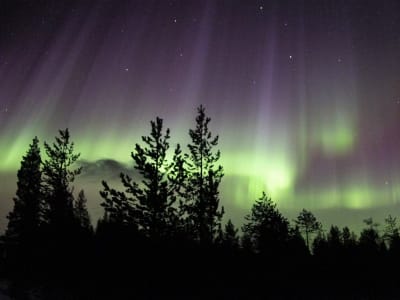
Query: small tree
x=267, y=229
x=230, y=238
x=81, y=213
x=349, y=238
x=25, y=218
x=320, y=244
x=391, y=233
x=203, y=180
x=308, y=224
x=370, y=240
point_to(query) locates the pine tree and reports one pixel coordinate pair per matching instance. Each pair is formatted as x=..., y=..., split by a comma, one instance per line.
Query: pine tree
x=120, y=209
x=25, y=218
x=203, y=180
x=308, y=224
x=158, y=195
x=391, y=233
x=320, y=245
x=149, y=204
x=81, y=213
x=58, y=176
x=230, y=238
x=349, y=238
x=266, y=227
x=370, y=240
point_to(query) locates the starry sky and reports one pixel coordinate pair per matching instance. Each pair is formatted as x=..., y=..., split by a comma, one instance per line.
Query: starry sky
x=305, y=95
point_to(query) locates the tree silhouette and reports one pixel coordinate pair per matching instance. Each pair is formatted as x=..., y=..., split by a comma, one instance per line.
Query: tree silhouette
x=58, y=176
x=119, y=208
x=203, y=180
x=81, y=213
x=370, y=240
x=25, y=218
x=150, y=203
x=23, y=233
x=230, y=238
x=267, y=229
x=320, y=245
x=349, y=238
x=391, y=233
x=308, y=224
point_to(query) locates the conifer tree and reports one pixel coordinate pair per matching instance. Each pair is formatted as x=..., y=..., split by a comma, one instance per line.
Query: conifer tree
x=230, y=238
x=370, y=241
x=391, y=233
x=308, y=224
x=149, y=204
x=158, y=194
x=119, y=208
x=58, y=176
x=203, y=180
x=349, y=238
x=267, y=228
x=25, y=218
x=81, y=213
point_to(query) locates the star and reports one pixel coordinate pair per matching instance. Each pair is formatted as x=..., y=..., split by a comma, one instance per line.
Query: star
x=126, y=69
x=290, y=57
x=261, y=7
x=339, y=60
x=174, y=20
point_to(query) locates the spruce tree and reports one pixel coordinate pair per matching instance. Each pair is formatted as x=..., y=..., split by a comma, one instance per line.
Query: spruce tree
x=81, y=213
x=25, y=218
x=230, y=238
x=58, y=176
x=203, y=179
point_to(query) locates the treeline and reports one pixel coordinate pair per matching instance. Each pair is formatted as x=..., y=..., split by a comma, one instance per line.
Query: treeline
x=163, y=236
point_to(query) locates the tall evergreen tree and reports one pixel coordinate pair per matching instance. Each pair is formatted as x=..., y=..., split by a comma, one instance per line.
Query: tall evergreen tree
x=159, y=194
x=308, y=224
x=58, y=176
x=266, y=227
x=25, y=218
x=149, y=204
x=203, y=179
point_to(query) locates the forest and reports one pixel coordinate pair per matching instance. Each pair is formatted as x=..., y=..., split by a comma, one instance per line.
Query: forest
x=164, y=236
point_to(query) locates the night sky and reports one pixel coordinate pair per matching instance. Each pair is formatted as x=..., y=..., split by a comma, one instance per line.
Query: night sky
x=305, y=95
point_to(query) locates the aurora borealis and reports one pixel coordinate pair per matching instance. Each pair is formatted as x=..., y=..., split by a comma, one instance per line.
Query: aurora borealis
x=305, y=95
